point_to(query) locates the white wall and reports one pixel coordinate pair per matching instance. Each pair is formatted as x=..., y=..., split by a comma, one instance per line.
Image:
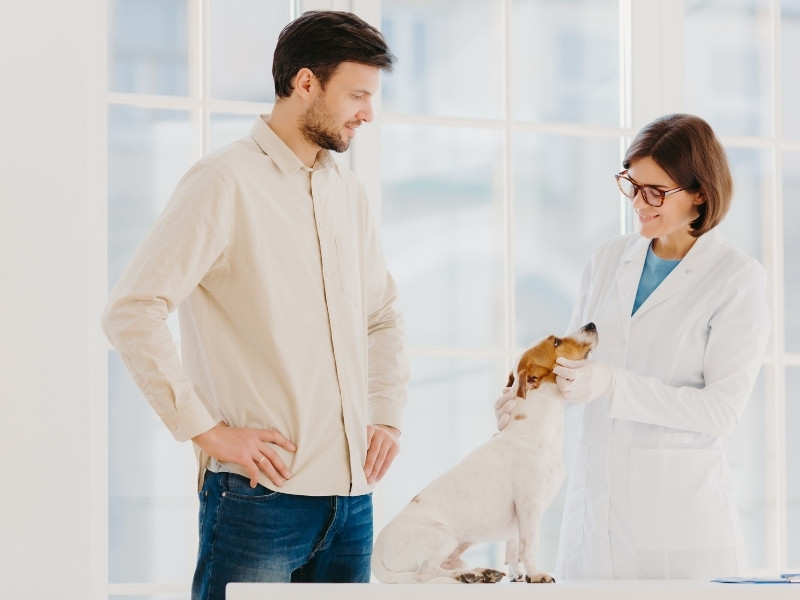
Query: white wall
x=52, y=287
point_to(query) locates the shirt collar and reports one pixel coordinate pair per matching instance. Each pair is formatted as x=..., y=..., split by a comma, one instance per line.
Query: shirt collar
x=283, y=157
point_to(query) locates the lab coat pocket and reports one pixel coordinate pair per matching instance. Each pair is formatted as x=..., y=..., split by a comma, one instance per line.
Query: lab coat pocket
x=677, y=499
x=575, y=499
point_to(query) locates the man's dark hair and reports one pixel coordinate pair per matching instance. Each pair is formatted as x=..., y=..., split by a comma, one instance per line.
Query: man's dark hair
x=321, y=41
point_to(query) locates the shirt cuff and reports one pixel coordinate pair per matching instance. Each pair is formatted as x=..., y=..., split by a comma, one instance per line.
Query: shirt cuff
x=386, y=413
x=190, y=421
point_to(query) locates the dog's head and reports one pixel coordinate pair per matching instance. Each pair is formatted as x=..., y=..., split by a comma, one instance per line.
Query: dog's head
x=535, y=365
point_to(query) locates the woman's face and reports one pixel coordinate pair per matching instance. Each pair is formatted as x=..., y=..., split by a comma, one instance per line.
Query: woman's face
x=667, y=224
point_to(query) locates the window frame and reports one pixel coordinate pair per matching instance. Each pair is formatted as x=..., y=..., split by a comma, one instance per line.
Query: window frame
x=651, y=84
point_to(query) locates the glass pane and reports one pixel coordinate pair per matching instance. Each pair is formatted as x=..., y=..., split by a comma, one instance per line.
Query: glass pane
x=792, y=465
x=565, y=203
x=443, y=231
x=242, y=39
x=148, y=47
x=790, y=82
x=728, y=77
x=461, y=394
x=752, y=180
x=224, y=129
x=748, y=458
x=152, y=500
x=148, y=151
x=791, y=249
x=565, y=61
x=436, y=71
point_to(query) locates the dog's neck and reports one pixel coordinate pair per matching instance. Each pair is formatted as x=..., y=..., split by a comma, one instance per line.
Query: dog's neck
x=540, y=414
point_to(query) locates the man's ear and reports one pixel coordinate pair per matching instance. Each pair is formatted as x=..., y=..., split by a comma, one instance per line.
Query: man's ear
x=305, y=82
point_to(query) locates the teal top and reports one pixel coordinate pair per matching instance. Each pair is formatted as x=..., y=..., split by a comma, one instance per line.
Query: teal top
x=654, y=272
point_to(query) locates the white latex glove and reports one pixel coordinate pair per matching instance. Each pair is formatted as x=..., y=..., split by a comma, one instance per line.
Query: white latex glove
x=584, y=380
x=503, y=407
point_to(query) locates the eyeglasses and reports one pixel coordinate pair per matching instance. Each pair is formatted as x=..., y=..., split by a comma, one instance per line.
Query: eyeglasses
x=652, y=195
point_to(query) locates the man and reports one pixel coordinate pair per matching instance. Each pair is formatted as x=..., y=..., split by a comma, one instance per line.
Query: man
x=293, y=373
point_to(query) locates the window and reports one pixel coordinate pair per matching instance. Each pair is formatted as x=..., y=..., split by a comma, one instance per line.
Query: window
x=186, y=76
x=483, y=154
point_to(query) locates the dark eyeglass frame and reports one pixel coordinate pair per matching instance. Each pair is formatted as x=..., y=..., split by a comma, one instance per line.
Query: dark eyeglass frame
x=641, y=189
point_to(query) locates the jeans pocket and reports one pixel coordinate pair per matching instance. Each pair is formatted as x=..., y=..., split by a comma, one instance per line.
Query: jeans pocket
x=237, y=487
x=202, y=497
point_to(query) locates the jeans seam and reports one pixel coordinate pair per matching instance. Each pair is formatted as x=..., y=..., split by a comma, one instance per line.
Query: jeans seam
x=213, y=542
x=327, y=530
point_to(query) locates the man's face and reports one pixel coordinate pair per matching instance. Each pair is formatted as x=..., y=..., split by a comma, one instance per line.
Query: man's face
x=338, y=110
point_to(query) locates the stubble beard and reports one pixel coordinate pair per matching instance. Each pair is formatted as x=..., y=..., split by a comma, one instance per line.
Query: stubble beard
x=318, y=126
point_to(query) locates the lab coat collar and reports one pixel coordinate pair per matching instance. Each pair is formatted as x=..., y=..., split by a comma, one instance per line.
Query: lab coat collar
x=689, y=271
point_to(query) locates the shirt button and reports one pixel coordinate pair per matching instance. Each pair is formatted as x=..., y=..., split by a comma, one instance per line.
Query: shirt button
x=173, y=427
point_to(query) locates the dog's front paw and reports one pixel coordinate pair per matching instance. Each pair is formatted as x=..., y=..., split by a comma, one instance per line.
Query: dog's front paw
x=539, y=578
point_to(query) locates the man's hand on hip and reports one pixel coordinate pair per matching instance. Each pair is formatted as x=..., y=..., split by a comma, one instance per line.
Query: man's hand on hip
x=248, y=448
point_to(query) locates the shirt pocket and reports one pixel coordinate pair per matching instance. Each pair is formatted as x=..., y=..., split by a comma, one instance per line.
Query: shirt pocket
x=678, y=501
x=348, y=262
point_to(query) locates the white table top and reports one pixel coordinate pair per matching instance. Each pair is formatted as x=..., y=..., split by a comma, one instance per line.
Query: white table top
x=585, y=590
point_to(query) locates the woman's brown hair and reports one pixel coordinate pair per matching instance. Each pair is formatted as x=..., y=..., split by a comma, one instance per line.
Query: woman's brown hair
x=687, y=149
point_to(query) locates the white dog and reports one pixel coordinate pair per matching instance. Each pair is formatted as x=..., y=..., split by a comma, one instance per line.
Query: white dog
x=499, y=492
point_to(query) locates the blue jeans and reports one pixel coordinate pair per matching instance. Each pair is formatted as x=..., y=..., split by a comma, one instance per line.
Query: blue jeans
x=256, y=534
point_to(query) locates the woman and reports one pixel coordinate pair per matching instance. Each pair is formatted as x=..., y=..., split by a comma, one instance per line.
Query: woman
x=683, y=323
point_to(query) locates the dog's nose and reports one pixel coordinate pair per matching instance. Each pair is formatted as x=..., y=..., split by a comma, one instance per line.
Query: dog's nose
x=590, y=327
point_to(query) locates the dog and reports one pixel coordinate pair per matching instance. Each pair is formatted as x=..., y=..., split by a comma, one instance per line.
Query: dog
x=498, y=492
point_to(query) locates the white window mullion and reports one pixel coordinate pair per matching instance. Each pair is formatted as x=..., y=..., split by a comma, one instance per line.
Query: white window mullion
x=625, y=100
x=508, y=217
x=656, y=59
x=198, y=69
x=776, y=470
x=365, y=151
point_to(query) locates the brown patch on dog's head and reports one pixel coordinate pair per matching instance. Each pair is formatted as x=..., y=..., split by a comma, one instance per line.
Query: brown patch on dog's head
x=535, y=365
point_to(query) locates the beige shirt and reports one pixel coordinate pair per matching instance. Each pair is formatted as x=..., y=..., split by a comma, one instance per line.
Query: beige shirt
x=287, y=311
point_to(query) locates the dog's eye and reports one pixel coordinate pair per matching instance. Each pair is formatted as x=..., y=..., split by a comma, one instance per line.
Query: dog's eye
x=557, y=342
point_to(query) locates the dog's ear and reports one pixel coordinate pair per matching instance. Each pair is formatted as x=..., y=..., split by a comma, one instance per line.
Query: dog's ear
x=522, y=389
x=533, y=378
x=534, y=381
x=510, y=379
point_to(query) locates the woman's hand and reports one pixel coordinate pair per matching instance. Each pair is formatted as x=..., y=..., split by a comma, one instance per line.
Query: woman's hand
x=584, y=380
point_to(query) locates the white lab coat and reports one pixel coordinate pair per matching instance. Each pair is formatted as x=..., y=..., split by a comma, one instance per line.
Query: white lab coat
x=649, y=493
